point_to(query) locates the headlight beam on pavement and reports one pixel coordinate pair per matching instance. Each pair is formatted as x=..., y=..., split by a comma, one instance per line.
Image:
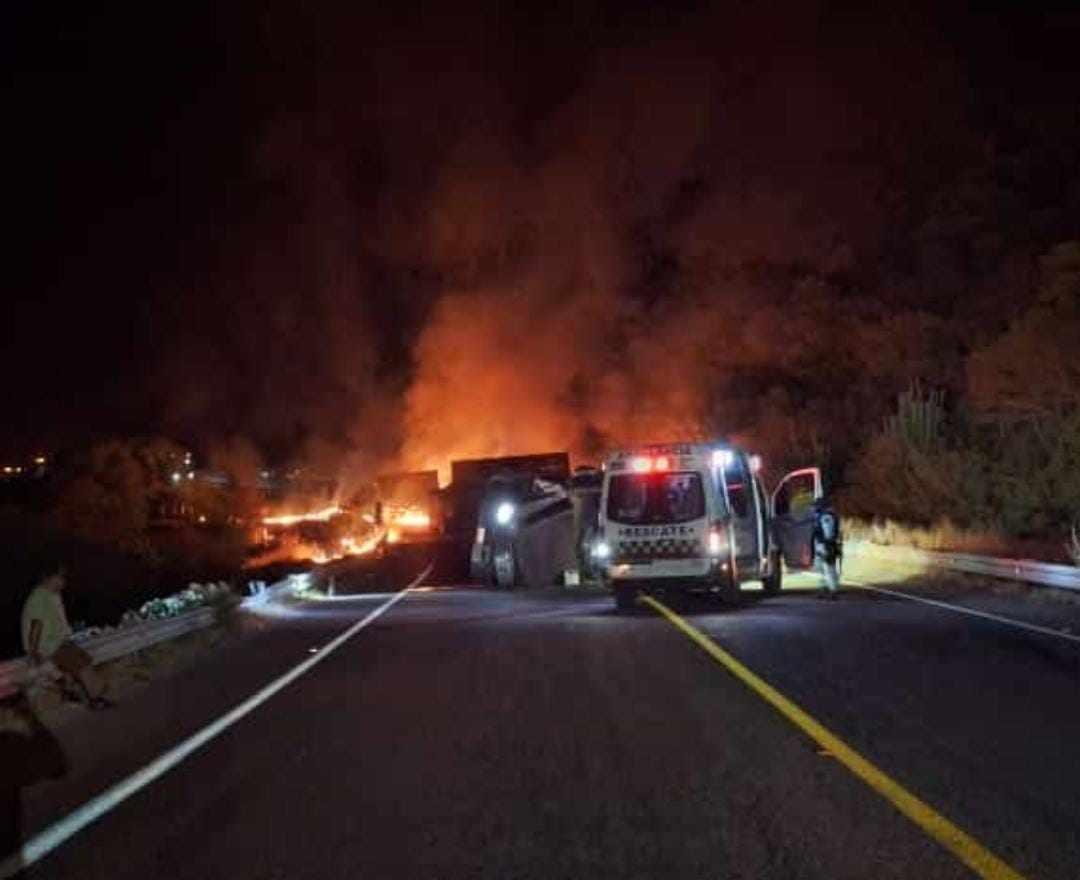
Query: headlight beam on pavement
x=961, y=844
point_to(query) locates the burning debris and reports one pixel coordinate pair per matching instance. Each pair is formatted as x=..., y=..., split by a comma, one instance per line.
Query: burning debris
x=404, y=503
x=292, y=519
x=319, y=535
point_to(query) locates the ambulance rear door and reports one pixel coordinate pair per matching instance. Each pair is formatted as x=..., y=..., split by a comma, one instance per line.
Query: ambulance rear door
x=793, y=516
x=743, y=506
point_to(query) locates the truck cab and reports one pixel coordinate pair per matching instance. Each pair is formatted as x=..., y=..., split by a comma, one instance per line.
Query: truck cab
x=524, y=533
x=696, y=517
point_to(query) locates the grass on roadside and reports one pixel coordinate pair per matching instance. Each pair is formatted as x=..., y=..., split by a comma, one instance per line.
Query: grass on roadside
x=946, y=536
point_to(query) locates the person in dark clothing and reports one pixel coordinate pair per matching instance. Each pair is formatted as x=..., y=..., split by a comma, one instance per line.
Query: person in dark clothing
x=828, y=544
x=29, y=753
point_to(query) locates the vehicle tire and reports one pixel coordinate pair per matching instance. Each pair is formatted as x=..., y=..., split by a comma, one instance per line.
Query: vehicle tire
x=625, y=598
x=728, y=591
x=505, y=567
x=772, y=584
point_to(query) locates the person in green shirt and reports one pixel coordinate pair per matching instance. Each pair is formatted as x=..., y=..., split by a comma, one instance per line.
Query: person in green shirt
x=46, y=635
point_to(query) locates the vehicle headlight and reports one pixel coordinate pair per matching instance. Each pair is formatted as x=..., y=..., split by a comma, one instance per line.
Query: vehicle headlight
x=601, y=550
x=504, y=513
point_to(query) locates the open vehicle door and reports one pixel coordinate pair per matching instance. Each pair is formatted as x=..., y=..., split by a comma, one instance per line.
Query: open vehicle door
x=793, y=516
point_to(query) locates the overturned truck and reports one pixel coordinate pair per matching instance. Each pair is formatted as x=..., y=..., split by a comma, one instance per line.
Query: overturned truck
x=513, y=519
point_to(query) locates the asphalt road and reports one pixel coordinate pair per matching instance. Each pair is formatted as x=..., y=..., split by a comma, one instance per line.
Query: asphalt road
x=468, y=733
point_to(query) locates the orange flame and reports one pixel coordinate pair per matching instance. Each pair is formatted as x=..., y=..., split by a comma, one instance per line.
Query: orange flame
x=291, y=519
x=412, y=519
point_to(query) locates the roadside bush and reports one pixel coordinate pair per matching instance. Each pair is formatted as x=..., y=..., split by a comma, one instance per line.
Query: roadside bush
x=941, y=535
x=1018, y=479
x=906, y=471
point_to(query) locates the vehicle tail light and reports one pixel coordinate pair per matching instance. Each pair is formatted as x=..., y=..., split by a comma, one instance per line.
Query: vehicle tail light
x=661, y=464
x=718, y=543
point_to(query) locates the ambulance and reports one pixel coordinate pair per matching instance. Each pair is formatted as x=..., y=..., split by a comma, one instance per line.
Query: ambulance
x=696, y=517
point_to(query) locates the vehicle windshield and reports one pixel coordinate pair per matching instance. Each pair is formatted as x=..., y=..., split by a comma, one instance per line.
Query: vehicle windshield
x=638, y=499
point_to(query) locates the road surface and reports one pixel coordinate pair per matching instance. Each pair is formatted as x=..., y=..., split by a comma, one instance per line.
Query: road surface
x=470, y=733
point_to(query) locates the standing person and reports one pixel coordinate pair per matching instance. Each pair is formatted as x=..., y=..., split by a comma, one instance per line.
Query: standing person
x=828, y=546
x=46, y=635
x=29, y=753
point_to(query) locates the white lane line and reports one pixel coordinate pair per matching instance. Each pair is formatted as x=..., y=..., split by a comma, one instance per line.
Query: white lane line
x=41, y=844
x=960, y=609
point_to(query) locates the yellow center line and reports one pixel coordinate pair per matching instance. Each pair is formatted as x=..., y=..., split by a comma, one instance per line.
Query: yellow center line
x=965, y=847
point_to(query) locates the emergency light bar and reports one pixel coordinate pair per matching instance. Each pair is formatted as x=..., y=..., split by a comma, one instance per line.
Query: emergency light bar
x=645, y=465
x=659, y=459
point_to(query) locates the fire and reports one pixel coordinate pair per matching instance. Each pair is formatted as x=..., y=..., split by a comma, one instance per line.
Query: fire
x=292, y=519
x=296, y=550
x=302, y=536
x=412, y=519
x=400, y=520
x=350, y=547
x=300, y=544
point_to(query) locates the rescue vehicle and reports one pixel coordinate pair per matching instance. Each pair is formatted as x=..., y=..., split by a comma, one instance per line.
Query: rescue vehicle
x=696, y=517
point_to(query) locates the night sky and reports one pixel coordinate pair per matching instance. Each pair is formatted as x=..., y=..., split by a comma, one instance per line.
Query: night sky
x=313, y=230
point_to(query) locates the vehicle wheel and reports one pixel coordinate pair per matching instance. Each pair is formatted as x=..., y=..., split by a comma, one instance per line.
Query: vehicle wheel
x=728, y=590
x=504, y=562
x=625, y=598
x=775, y=581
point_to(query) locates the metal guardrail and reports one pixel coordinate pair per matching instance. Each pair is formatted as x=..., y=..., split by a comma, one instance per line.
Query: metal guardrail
x=117, y=643
x=127, y=640
x=110, y=645
x=1030, y=571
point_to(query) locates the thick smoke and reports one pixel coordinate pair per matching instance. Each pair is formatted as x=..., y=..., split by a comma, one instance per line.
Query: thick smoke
x=540, y=350
x=600, y=295
x=478, y=243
